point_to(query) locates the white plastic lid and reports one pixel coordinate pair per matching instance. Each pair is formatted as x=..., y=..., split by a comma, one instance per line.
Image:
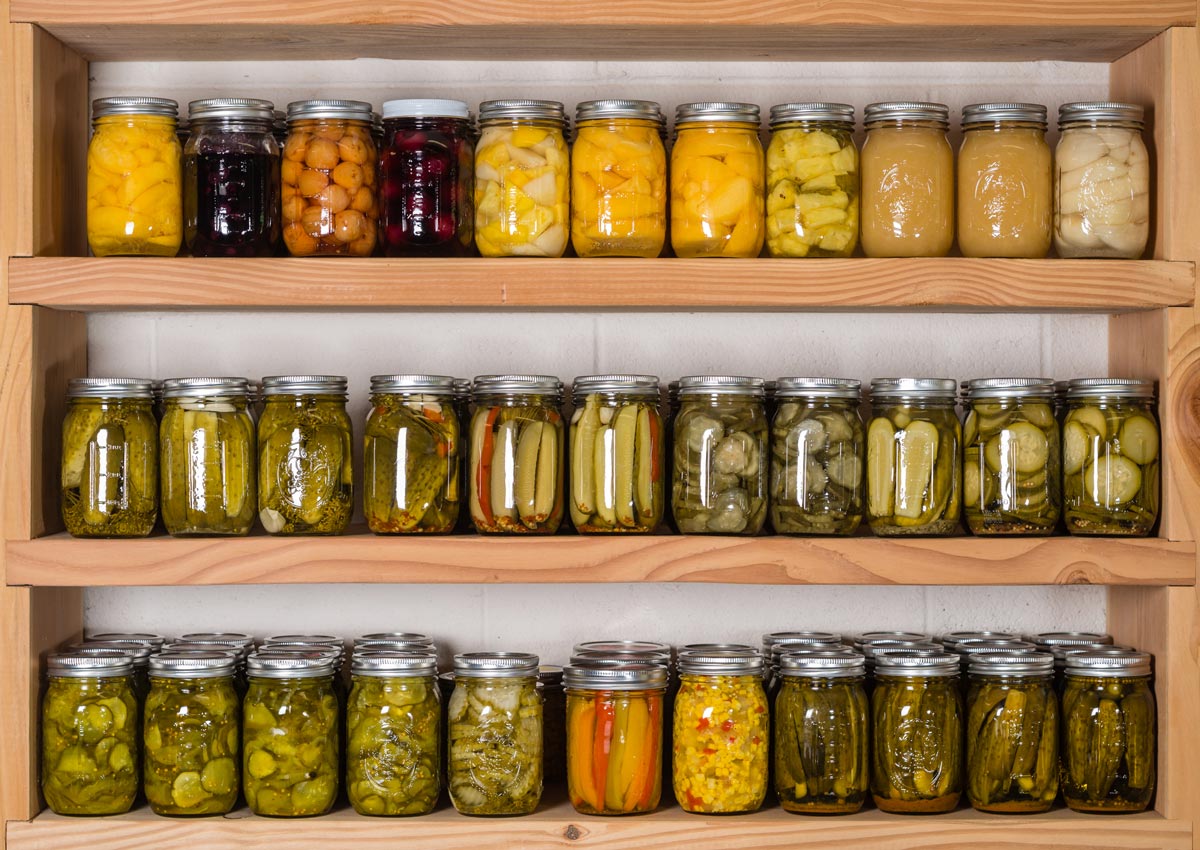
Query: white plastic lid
x=425, y=108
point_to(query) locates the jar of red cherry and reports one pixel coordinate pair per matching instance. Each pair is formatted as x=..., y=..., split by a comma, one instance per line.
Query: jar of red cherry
x=427, y=169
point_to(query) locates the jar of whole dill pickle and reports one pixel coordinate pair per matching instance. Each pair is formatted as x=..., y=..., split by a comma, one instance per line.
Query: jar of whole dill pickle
x=776, y=644
x=1059, y=644
x=109, y=473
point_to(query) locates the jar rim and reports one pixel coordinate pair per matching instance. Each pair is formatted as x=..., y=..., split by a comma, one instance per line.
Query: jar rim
x=130, y=388
x=1115, y=387
x=594, y=110
x=192, y=665
x=843, y=388
x=1100, y=111
x=495, y=665
x=346, y=110
x=102, y=107
x=425, y=108
x=722, y=111
x=92, y=665
x=885, y=112
x=231, y=108
x=274, y=385
x=982, y=114
x=815, y=112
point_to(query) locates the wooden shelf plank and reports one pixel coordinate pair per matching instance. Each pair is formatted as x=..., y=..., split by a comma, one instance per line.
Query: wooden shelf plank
x=82, y=283
x=60, y=560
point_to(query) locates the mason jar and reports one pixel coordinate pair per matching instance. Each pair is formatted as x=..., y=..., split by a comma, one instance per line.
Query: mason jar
x=776, y=644
x=1059, y=644
x=139, y=653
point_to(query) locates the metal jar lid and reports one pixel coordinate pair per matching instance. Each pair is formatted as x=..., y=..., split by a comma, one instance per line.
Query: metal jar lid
x=951, y=639
x=772, y=639
x=926, y=388
x=644, y=647
x=695, y=385
x=462, y=388
x=825, y=665
x=1110, y=388
x=981, y=388
x=427, y=384
x=915, y=650
x=709, y=111
x=844, y=388
x=206, y=387
x=324, y=649
x=149, y=638
x=1108, y=663
x=817, y=113
x=410, y=638
x=192, y=665
x=878, y=114
x=140, y=653
x=1068, y=639
x=593, y=110
x=533, y=384
x=598, y=676
x=495, y=665
x=231, y=108
x=337, y=110
x=982, y=647
x=90, y=665
x=280, y=664
x=697, y=660
x=191, y=647
x=331, y=640
x=879, y=647
x=304, y=385
x=136, y=388
x=978, y=114
x=1003, y=664
x=105, y=106
x=425, y=108
x=937, y=664
x=877, y=637
x=1100, y=111
x=619, y=656
x=639, y=385
x=394, y=663
x=547, y=110
x=231, y=638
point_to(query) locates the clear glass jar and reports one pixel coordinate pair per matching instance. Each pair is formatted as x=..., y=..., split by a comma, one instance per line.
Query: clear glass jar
x=329, y=177
x=209, y=479
x=109, y=472
x=775, y=644
x=617, y=456
x=305, y=471
x=516, y=454
x=427, y=174
x=1101, y=181
x=1111, y=456
x=134, y=202
x=1005, y=202
x=619, y=179
x=907, y=181
x=717, y=181
x=1059, y=644
x=721, y=473
x=812, y=181
x=1012, y=469
x=817, y=450
x=138, y=652
x=522, y=179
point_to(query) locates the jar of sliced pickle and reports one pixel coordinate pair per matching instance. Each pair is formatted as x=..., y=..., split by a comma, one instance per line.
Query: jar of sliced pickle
x=1111, y=457
x=208, y=476
x=1012, y=470
x=914, y=457
x=139, y=652
x=721, y=463
x=109, y=473
x=411, y=455
x=516, y=454
x=495, y=719
x=812, y=181
x=617, y=455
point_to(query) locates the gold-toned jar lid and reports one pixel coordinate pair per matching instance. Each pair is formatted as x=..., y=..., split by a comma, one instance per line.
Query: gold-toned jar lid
x=105, y=106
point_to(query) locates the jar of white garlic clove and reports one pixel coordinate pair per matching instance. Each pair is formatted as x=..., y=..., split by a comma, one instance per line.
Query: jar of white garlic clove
x=1101, y=182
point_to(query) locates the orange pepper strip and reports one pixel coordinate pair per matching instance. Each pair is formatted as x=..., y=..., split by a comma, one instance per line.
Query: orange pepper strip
x=653, y=759
x=602, y=744
x=581, y=723
x=433, y=415
x=483, y=473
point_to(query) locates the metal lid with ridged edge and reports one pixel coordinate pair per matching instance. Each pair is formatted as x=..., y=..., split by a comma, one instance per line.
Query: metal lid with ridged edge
x=1102, y=111
x=90, y=665
x=816, y=113
x=232, y=638
x=333, y=110
x=462, y=388
x=1110, y=388
x=639, y=385
x=134, y=388
x=982, y=647
x=231, y=109
x=1060, y=653
x=844, y=388
x=937, y=664
x=140, y=653
x=698, y=660
x=595, y=110
x=281, y=664
x=1109, y=663
x=870, y=650
x=410, y=638
x=921, y=388
x=926, y=650
x=773, y=642
x=616, y=656
x=878, y=114
x=983, y=114
x=330, y=640
x=981, y=388
x=425, y=384
x=646, y=647
x=105, y=106
x=206, y=387
x=697, y=385
x=150, y=638
x=304, y=385
x=234, y=652
x=394, y=663
x=707, y=111
x=528, y=109
x=532, y=384
x=876, y=637
x=495, y=665
x=192, y=665
x=628, y=676
x=1029, y=664
x=425, y=108
x=1045, y=640
x=955, y=638
x=824, y=664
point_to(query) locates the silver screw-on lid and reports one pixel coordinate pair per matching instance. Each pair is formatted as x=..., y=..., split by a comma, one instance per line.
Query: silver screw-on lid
x=698, y=660
x=425, y=384
x=983, y=647
x=135, y=388
x=533, y=384
x=878, y=647
x=627, y=676
x=304, y=385
x=708, y=111
x=1107, y=663
x=410, y=638
x=1046, y=640
x=284, y=664
x=104, y=106
x=129, y=637
x=231, y=638
x=140, y=653
x=888, y=637
x=1007, y=664
x=507, y=110
x=329, y=640
x=1110, y=388
x=982, y=388
x=231, y=108
x=394, y=664
x=192, y=665
x=816, y=113
x=495, y=665
x=929, y=388
x=934, y=664
x=951, y=639
x=638, y=385
x=877, y=114
x=205, y=387
x=592, y=110
x=1100, y=111
x=344, y=110
x=829, y=664
x=845, y=388
x=423, y=108
x=89, y=665
x=696, y=385
x=978, y=114
x=643, y=647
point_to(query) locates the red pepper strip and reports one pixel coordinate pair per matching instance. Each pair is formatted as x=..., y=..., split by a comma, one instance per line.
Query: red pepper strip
x=483, y=473
x=606, y=711
x=653, y=758
x=656, y=466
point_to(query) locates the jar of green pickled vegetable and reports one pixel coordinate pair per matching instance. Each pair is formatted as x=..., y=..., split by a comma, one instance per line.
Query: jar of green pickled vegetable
x=1059, y=644
x=208, y=457
x=496, y=737
x=109, y=475
x=139, y=652
x=516, y=454
x=305, y=473
x=914, y=458
x=721, y=463
x=617, y=455
x=817, y=448
x=89, y=734
x=394, y=718
x=1012, y=739
x=290, y=734
x=1111, y=457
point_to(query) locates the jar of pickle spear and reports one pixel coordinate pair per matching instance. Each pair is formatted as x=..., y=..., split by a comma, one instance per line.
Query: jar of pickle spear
x=617, y=455
x=89, y=734
x=411, y=455
x=1012, y=470
x=776, y=644
x=817, y=450
x=305, y=472
x=208, y=477
x=1110, y=453
x=109, y=473
x=1059, y=644
x=516, y=454
x=914, y=457
x=1109, y=732
x=721, y=463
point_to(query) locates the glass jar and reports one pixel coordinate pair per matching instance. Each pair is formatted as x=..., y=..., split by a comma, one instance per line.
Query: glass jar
x=496, y=736
x=411, y=455
x=1059, y=644
x=134, y=203
x=812, y=181
x=554, y=724
x=139, y=653
x=1101, y=181
x=522, y=179
x=619, y=179
x=1109, y=736
x=462, y=406
x=1110, y=457
x=717, y=181
x=393, y=718
x=817, y=448
x=427, y=173
x=329, y=175
x=109, y=473
x=516, y=454
x=614, y=736
x=914, y=457
x=208, y=457
x=305, y=472
x=776, y=644
x=907, y=181
x=89, y=734
x=1012, y=469
x=721, y=461
x=617, y=455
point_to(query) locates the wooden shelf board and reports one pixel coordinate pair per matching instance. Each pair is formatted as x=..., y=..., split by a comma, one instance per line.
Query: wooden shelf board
x=956, y=283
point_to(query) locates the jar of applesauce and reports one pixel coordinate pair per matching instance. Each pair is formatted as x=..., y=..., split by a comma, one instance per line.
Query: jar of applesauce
x=1004, y=198
x=907, y=181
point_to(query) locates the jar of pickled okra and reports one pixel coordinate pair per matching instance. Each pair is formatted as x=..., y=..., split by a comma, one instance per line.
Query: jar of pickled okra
x=305, y=470
x=496, y=737
x=1109, y=741
x=516, y=454
x=411, y=455
x=914, y=458
x=89, y=734
x=109, y=472
x=1110, y=457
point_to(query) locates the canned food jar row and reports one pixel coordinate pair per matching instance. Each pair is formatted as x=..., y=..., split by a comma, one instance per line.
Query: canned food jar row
x=421, y=180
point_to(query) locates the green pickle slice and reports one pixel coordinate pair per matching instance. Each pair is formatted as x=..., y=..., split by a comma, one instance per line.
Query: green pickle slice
x=495, y=746
x=393, y=748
